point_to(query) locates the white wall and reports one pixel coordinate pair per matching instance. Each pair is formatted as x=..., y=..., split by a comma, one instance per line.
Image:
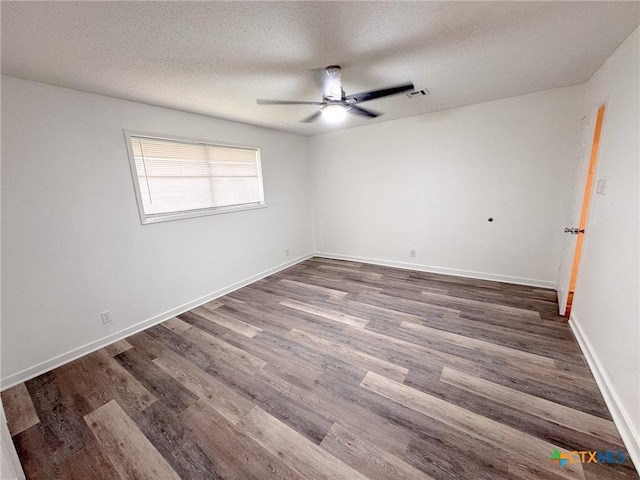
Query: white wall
x=72, y=242
x=605, y=312
x=430, y=183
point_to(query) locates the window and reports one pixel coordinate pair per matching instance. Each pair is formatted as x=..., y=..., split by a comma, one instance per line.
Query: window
x=180, y=178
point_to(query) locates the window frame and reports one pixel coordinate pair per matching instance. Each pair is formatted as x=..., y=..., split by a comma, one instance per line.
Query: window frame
x=146, y=218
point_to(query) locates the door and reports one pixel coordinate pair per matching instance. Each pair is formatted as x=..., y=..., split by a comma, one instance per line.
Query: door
x=10, y=467
x=577, y=229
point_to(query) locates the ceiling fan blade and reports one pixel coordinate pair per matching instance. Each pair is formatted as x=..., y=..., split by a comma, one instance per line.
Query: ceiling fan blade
x=361, y=111
x=312, y=117
x=262, y=101
x=383, y=92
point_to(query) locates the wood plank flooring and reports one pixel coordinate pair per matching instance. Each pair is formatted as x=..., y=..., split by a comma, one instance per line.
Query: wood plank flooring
x=328, y=370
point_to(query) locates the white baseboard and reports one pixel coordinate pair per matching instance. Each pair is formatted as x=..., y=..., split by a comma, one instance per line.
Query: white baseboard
x=619, y=414
x=76, y=353
x=445, y=271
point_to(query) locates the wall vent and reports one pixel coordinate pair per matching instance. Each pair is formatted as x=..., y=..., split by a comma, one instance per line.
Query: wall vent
x=417, y=93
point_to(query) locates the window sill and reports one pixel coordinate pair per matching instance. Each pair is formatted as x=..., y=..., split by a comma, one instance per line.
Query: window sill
x=168, y=217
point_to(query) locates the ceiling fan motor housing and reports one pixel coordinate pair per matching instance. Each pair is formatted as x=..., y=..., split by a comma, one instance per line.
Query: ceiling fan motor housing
x=332, y=88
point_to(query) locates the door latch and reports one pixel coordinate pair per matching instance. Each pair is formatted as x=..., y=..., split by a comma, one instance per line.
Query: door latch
x=574, y=231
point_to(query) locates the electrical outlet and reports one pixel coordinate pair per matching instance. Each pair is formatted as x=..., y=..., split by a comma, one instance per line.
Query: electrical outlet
x=106, y=317
x=286, y=252
x=412, y=253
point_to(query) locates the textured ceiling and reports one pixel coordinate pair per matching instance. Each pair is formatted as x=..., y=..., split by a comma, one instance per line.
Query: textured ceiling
x=216, y=58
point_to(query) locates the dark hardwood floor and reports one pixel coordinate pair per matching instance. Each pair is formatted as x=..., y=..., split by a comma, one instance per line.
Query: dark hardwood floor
x=328, y=370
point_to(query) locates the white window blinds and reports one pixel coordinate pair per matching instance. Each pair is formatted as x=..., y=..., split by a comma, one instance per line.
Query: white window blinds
x=176, y=176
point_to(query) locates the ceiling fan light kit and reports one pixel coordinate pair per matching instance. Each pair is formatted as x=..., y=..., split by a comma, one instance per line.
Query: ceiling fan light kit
x=335, y=104
x=334, y=113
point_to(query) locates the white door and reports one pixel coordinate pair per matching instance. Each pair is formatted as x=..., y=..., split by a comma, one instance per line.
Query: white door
x=573, y=218
x=10, y=468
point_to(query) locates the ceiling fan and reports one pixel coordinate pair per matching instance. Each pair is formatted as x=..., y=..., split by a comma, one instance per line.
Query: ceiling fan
x=335, y=103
